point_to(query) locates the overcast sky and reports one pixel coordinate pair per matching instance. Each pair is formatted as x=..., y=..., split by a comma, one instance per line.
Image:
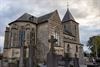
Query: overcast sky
x=85, y=12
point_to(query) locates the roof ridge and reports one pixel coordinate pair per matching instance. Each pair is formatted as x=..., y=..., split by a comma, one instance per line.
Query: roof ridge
x=28, y=17
x=47, y=14
x=45, y=17
x=25, y=15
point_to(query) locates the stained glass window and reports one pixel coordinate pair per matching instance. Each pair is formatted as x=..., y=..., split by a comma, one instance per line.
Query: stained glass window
x=14, y=38
x=56, y=35
x=21, y=37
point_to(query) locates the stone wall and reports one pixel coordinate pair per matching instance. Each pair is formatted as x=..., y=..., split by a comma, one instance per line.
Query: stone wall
x=14, y=51
x=42, y=41
x=56, y=29
x=72, y=49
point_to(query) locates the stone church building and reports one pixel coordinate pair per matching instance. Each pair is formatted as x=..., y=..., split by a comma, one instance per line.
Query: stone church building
x=27, y=39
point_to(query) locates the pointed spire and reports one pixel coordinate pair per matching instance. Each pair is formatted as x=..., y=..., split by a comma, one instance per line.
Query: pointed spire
x=68, y=16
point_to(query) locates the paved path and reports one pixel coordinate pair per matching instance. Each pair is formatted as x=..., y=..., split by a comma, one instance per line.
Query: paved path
x=83, y=65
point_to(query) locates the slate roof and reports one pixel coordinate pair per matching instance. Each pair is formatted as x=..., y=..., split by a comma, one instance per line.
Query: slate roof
x=27, y=17
x=44, y=17
x=68, y=16
x=33, y=19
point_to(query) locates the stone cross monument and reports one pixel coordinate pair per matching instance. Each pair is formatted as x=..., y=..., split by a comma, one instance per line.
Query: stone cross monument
x=51, y=57
x=52, y=41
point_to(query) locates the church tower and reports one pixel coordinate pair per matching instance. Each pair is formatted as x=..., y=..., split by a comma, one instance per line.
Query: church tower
x=73, y=47
x=70, y=25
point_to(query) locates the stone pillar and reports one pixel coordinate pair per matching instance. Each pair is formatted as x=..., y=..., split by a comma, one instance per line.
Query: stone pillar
x=12, y=65
x=32, y=48
x=51, y=60
x=31, y=57
x=1, y=60
x=22, y=62
x=76, y=61
x=5, y=64
x=22, y=48
x=67, y=60
x=67, y=63
x=6, y=42
x=1, y=63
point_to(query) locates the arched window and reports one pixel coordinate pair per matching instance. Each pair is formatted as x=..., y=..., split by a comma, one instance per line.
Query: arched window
x=76, y=48
x=32, y=35
x=27, y=26
x=14, y=26
x=27, y=32
x=68, y=48
x=14, y=36
x=21, y=36
x=56, y=34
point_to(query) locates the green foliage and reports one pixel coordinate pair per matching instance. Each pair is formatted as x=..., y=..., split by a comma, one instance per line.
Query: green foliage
x=94, y=44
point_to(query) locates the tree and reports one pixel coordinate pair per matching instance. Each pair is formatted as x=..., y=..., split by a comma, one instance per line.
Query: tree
x=94, y=45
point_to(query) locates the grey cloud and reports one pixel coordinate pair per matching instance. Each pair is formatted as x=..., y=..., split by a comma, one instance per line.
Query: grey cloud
x=89, y=29
x=95, y=5
x=79, y=14
x=86, y=32
x=85, y=8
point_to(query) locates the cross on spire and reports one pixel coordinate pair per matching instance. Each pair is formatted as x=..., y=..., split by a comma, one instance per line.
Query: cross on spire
x=67, y=4
x=52, y=41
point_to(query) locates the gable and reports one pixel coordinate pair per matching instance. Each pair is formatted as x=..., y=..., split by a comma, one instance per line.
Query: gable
x=55, y=17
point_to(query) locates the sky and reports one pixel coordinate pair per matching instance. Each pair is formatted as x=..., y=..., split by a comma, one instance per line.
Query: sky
x=85, y=12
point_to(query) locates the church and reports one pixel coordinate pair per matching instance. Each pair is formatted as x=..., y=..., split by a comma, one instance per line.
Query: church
x=26, y=40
